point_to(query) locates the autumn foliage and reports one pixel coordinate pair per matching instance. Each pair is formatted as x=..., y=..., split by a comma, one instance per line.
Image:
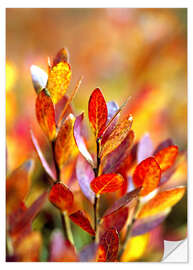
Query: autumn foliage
x=114, y=189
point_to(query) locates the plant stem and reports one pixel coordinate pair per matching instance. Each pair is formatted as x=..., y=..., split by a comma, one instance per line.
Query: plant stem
x=68, y=228
x=96, y=200
x=55, y=162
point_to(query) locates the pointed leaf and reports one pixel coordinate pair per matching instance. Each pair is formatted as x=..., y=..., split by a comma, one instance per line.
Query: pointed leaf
x=39, y=78
x=85, y=175
x=130, y=199
x=166, y=157
x=145, y=148
x=116, y=137
x=28, y=249
x=144, y=225
x=28, y=215
x=61, y=250
x=107, y=183
x=58, y=80
x=65, y=147
x=61, y=197
x=161, y=202
x=108, y=246
x=41, y=157
x=113, y=160
x=97, y=112
x=147, y=174
x=61, y=56
x=115, y=220
x=81, y=220
x=79, y=139
x=45, y=114
x=18, y=185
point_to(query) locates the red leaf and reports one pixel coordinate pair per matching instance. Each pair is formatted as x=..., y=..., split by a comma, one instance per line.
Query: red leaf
x=147, y=174
x=108, y=246
x=113, y=160
x=163, y=145
x=61, y=250
x=81, y=220
x=85, y=175
x=61, y=197
x=145, y=148
x=115, y=220
x=79, y=139
x=107, y=183
x=45, y=114
x=130, y=199
x=41, y=157
x=97, y=112
x=166, y=157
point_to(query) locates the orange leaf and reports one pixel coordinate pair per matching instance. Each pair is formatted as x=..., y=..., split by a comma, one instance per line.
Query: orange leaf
x=108, y=246
x=116, y=137
x=61, y=56
x=65, y=146
x=107, y=183
x=81, y=220
x=97, y=112
x=166, y=157
x=147, y=174
x=58, y=80
x=28, y=249
x=61, y=196
x=17, y=186
x=161, y=202
x=45, y=114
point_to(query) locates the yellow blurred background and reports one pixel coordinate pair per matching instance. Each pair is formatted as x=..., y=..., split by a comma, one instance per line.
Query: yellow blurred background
x=140, y=53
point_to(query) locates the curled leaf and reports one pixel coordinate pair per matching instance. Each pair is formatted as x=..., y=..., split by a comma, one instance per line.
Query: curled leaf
x=45, y=114
x=85, y=175
x=61, y=250
x=107, y=183
x=166, y=157
x=145, y=148
x=97, y=112
x=130, y=199
x=79, y=139
x=81, y=220
x=161, y=202
x=65, y=147
x=61, y=196
x=147, y=174
x=116, y=137
x=58, y=80
x=39, y=78
x=18, y=185
x=113, y=161
x=42, y=158
x=108, y=246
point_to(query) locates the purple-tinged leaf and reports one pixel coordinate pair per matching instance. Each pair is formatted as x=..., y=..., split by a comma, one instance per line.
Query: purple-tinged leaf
x=60, y=249
x=145, y=225
x=167, y=175
x=85, y=175
x=79, y=139
x=88, y=253
x=145, y=148
x=39, y=78
x=41, y=157
x=113, y=160
x=163, y=145
x=27, y=216
x=130, y=200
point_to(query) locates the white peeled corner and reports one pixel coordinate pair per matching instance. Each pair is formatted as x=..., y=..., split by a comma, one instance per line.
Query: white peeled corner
x=175, y=251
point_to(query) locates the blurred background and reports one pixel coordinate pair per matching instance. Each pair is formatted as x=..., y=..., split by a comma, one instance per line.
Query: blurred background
x=141, y=53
